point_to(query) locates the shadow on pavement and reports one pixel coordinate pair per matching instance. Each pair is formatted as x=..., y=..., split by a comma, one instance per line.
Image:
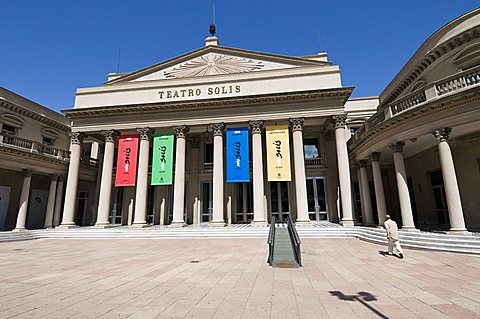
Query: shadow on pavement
x=362, y=297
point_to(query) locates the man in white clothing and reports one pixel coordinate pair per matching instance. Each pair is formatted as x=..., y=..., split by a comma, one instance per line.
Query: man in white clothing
x=392, y=236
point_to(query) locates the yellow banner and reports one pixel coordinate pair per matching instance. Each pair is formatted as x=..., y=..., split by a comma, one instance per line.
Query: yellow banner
x=278, y=153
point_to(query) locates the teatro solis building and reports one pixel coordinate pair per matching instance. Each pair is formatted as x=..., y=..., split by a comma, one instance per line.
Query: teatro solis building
x=215, y=136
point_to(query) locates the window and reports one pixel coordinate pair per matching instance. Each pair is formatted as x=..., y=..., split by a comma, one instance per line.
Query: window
x=48, y=140
x=310, y=148
x=9, y=129
x=208, y=157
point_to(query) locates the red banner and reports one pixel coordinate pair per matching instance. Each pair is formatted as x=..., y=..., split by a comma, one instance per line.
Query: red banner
x=127, y=160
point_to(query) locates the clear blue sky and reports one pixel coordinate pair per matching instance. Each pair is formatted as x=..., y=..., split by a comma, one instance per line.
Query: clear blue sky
x=50, y=48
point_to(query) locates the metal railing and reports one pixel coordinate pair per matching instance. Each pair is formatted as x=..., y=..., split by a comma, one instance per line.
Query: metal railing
x=271, y=241
x=295, y=241
x=318, y=161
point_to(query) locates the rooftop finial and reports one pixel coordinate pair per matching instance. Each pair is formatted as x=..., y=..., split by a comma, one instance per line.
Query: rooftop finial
x=212, y=28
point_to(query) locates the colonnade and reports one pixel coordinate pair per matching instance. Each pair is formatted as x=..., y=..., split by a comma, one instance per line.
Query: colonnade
x=256, y=128
x=455, y=210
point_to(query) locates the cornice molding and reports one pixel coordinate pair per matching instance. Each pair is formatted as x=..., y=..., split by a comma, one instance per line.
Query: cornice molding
x=430, y=57
x=341, y=94
x=18, y=109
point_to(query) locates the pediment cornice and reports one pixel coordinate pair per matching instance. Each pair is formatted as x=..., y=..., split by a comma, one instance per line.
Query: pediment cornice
x=340, y=94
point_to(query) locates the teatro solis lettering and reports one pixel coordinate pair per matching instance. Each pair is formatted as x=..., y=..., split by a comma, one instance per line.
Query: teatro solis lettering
x=213, y=90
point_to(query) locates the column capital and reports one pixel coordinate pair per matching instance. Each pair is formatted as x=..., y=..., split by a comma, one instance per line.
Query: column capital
x=362, y=163
x=375, y=156
x=54, y=177
x=145, y=133
x=180, y=131
x=297, y=123
x=442, y=134
x=218, y=128
x=27, y=172
x=110, y=135
x=195, y=142
x=397, y=147
x=76, y=137
x=339, y=121
x=256, y=126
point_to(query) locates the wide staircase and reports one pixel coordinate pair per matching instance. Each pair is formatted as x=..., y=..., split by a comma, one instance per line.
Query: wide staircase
x=469, y=244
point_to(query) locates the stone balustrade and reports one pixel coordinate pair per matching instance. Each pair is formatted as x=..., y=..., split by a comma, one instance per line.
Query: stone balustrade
x=27, y=145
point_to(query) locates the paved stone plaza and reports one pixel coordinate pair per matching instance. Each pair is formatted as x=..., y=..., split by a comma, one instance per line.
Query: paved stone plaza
x=229, y=278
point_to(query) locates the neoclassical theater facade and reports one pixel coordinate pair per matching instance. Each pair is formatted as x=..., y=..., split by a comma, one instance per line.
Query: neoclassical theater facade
x=218, y=135
x=221, y=136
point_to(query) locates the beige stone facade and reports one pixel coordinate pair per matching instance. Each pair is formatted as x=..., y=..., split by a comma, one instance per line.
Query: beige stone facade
x=414, y=153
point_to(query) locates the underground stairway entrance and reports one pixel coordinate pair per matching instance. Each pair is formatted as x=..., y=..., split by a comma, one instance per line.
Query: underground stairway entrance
x=283, y=245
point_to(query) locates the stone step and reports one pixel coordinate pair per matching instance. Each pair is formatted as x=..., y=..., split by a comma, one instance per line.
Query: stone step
x=420, y=240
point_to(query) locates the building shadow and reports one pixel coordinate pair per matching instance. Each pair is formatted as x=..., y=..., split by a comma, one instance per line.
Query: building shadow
x=362, y=297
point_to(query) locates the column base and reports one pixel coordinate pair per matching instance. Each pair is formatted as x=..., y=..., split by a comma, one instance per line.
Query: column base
x=303, y=223
x=178, y=224
x=139, y=225
x=409, y=228
x=19, y=229
x=102, y=225
x=259, y=223
x=66, y=226
x=347, y=222
x=217, y=223
x=458, y=231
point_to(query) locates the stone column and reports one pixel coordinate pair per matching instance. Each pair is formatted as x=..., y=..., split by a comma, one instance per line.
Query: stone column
x=379, y=192
x=367, y=202
x=51, y=201
x=259, y=213
x=403, y=194
x=140, y=218
x=217, y=218
x=360, y=191
x=106, y=181
x=454, y=203
x=58, y=201
x=23, y=208
x=68, y=220
x=300, y=179
x=179, y=186
x=343, y=170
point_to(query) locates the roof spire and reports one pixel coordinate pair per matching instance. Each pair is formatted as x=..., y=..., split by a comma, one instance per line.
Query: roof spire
x=212, y=39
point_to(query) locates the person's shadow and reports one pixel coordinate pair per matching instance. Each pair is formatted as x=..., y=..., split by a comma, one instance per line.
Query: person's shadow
x=363, y=297
x=385, y=254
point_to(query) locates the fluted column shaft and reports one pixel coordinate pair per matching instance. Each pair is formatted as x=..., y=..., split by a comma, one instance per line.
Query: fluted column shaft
x=403, y=194
x=379, y=191
x=106, y=181
x=259, y=215
x=454, y=202
x=218, y=129
x=69, y=208
x=343, y=170
x=51, y=201
x=367, y=202
x=179, y=186
x=24, y=196
x=300, y=179
x=140, y=216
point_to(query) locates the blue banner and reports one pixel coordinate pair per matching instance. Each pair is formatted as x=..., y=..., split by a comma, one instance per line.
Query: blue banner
x=238, y=159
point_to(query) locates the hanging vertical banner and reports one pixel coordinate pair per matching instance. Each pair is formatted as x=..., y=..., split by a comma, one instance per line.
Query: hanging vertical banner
x=278, y=153
x=127, y=160
x=162, y=161
x=238, y=159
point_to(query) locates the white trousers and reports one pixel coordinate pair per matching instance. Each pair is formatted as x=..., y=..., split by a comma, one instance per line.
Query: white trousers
x=396, y=243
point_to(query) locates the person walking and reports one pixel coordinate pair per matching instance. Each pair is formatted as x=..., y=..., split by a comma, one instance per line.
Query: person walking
x=392, y=236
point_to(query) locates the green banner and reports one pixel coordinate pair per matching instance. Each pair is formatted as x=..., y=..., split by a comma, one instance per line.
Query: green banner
x=162, y=161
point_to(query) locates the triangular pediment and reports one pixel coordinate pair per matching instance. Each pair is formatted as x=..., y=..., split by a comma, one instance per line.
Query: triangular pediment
x=213, y=61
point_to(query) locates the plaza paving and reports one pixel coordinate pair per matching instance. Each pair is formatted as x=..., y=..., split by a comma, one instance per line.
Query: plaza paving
x=229, y=278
